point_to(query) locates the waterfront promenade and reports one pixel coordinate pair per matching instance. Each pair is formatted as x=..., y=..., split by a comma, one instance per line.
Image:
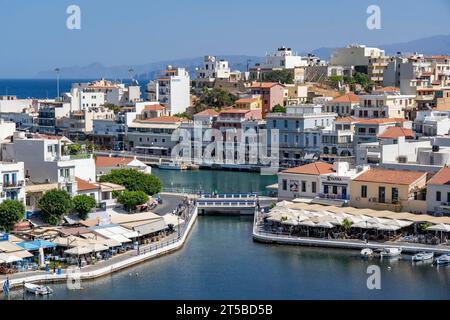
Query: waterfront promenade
x=119, y=262
x=263, y=236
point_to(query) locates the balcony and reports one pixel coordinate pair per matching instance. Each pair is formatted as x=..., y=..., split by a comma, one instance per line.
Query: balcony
x=13, y=185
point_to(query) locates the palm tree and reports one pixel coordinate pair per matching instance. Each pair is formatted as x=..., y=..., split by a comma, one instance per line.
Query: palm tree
x=346, y=225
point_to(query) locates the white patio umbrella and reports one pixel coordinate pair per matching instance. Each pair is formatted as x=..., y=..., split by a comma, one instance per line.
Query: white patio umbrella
x=78, y=251
x=324, y=224
x=440, y=227
x=70, y=242
x=290, y=222
x=97, y=247
x=387, y=227
x=307, y=223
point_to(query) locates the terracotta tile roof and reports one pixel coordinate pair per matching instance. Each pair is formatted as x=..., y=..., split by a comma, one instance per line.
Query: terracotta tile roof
x=112, y=161
x=154, y=107
x=247, y=100
x=208, y=112
x=347, y=120
x=165, y=119
x=346, y=98
x=442, y=177
x=83, y=185
x=395, y=132
x=381, y=120
x=315, y=168
x=379, y=175
x=263, y=85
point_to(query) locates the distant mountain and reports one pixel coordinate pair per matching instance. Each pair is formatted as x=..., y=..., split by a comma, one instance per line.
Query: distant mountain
x=146, y=71
x=428, y=46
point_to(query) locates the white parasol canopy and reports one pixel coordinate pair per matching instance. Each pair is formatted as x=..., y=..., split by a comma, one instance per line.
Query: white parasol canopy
x=77, y=251
x=8, y=258
x=440, y=227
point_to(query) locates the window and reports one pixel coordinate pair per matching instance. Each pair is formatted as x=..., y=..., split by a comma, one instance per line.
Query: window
x=335, y=190
x=438, y=196
x=284, y=184
x=381, y=194
x=304, y=186
x=448, y=196
x=363, y=191
x=285, y=124
x=394, y=194
x=313, y=187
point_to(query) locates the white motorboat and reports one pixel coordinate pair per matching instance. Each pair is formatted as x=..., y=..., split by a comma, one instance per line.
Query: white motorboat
x=423, y=256
x=391, y=252
x=366, y=252
x=444, y=259
x=173, y=166
x=37, y=289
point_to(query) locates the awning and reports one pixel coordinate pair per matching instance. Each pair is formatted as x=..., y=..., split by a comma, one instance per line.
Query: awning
x=151, y=148
x=6, y=246
x=8, y=258
x=36, y=244
x=173, y=219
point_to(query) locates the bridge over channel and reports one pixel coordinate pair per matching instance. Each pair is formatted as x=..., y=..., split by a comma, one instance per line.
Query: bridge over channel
x=228, y=203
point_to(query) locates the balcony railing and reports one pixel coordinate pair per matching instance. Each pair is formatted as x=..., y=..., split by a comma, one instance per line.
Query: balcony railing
x=13, y=185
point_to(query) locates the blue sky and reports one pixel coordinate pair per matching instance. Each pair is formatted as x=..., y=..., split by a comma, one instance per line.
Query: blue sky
x=35, y=37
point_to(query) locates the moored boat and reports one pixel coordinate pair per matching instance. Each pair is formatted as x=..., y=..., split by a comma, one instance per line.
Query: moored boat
x=443, y=260
x=391, y=252
x=366, y=252
x=38, y=289
x=423, y=256
x=172, y=166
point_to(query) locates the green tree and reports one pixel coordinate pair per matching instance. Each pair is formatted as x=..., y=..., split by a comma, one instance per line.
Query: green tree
x=346, y=225
x=279, y=108
x=74, y=148
x=215, y=98
x=336, y=80
x=134, y=180
x=54, y=204
x=83, y=204
x=112, y=107
x=283, y=76
x=131, y=199
x=183, y=115
x=11, y=212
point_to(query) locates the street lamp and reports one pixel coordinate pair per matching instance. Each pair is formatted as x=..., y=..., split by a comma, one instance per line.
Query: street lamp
x=139, y=234
x=179, y=235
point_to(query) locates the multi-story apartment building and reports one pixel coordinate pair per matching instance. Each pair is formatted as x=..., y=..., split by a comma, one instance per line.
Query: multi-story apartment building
x=12, y=183
x=26, y=120
x=153, y=136
x=343, y=105
x=383, y=105
x=299, y=132
x=338, y=142
x=97, y=93
x=283, y=59
x=361, y=59
x=271, y=94
x=432, y=123
x=367, y=130
x=212, y=69
x=7, y=129
x=173, y=90
x=50, y=115
x=80, y=124
x=13, y=104
x=45, y=161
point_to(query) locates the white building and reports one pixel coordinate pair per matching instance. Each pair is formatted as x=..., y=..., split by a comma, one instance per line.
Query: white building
x=174, y=90
x=212, y=69
x=12, y=183
x=7, y=129
x=12, y=104
x=438, y=193
x=44, y=160
x=283, y=58
x=355, y=55
x=383, y=105
x=432, y=123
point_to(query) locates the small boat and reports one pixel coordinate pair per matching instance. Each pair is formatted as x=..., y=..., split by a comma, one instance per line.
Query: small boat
x=37, y=289
x=444, y=259
x=422, y=256
x=391, y=252
x=366, y=252
x=172, y=166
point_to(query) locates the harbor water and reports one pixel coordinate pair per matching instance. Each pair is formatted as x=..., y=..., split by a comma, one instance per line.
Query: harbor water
x=221, y=261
